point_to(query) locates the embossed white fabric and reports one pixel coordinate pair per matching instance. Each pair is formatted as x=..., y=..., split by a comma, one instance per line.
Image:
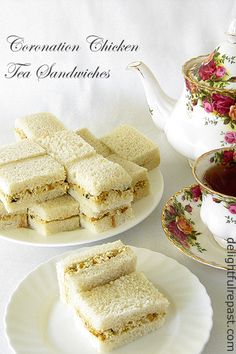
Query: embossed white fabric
x=167, y=33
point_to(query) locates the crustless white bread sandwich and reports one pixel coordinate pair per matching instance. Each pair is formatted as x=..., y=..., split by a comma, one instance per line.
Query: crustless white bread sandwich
x=129, y=143
x=95, y=266
x=140, y=182
x=55, y=215
x=108, y=220
x=103, y=189
x=37, y=125
x=98, y=145
x=99, y=185
x=25, y=182
x=12, y=220
x=22, y=150
x=66, y=147
x=120, y=311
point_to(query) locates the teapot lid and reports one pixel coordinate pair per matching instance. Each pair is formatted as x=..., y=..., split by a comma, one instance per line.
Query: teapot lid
x=218, y=69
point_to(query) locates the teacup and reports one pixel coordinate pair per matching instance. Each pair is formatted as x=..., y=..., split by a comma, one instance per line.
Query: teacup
x=218, y=210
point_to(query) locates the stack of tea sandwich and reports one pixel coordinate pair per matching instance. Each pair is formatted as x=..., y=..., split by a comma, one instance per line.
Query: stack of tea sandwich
x=62, y=179
x=112, y=301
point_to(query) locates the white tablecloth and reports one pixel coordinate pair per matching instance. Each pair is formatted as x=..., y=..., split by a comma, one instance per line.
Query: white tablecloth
x=168, y=33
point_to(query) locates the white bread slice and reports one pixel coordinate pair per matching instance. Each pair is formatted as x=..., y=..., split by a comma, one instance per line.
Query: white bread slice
x=66, y=147
x=113, y=305
x=110, y=220
x=55, y=209
x=26, y=182
x=97, y=174
x=53, y=227
x=37, y=125
x=140, y=182
x=24, y=149
x=94, y=266
x=98, y=145
x=129, y=143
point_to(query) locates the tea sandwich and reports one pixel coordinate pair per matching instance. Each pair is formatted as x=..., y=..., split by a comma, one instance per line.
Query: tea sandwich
x=25, y=182
x=66, y=147
x=37, y=125
x=103, y=189
x=98, y=145
x=130, y=144
x=140, y=181
x=22, y=150
x=108, y=220
x=55, y=215
x=119, y=311
x=12, y=220
x=95, y=266
x=99, y=185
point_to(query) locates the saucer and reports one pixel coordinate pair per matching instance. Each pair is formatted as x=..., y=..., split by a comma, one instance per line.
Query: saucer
x=183, y=226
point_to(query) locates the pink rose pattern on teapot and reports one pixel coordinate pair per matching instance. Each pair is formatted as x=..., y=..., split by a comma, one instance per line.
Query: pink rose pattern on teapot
x=220, y=103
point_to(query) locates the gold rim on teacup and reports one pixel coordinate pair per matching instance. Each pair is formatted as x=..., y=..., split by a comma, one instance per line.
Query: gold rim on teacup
x=200, y=182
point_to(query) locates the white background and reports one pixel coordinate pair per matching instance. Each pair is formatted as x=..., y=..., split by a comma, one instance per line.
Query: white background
x=168, y=33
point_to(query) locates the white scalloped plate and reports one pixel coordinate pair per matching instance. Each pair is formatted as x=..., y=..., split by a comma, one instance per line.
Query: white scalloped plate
x=142, y=209
x=37, y=323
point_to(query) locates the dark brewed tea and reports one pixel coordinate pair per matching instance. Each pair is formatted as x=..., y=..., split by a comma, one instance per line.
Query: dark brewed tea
x=222, y=179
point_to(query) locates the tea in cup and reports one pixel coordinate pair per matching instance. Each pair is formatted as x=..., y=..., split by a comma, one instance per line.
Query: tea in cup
x=215, y=172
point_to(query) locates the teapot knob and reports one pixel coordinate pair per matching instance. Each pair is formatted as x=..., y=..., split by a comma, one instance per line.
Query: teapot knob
x=231, y=33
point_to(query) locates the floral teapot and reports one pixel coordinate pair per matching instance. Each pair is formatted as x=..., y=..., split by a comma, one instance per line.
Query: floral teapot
x=204, y=118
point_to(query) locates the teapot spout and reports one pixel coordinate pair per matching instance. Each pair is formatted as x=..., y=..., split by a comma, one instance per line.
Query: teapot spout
x=160, y=105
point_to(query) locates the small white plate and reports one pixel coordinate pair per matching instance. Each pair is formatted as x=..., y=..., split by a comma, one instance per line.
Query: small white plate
x=36, y=322
x=142, y=209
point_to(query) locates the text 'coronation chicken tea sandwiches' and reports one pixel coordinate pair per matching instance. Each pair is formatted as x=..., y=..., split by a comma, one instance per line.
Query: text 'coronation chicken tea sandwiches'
x=95, y=266
x=55, y=215
x=25, y=182
x=37, y=125
x=129, y=143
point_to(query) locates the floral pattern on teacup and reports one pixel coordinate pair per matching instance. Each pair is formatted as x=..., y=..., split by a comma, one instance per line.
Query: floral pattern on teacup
x=225, y=157
x=228, y=203
x=178, y=220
